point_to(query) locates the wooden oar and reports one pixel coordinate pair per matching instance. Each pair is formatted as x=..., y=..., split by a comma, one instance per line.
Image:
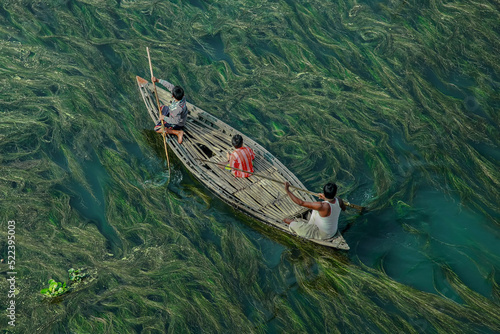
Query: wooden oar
x=354, y=206
x=159, y=114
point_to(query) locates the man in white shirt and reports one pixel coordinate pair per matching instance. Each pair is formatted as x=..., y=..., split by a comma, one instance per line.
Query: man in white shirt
x=324, y=219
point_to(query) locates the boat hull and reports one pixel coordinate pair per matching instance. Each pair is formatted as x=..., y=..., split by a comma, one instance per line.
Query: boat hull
x=208, y=138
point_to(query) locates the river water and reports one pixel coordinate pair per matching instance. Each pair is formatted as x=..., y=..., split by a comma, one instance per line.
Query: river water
x=396, y=101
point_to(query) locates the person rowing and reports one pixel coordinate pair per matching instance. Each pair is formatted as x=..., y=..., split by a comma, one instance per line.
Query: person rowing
x=324, y=220
x=173, y=116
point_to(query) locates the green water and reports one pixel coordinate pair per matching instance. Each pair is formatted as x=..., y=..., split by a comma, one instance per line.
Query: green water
x=396, y=101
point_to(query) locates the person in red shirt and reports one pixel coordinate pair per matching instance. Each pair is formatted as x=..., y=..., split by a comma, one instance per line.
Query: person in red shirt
x=241, y=158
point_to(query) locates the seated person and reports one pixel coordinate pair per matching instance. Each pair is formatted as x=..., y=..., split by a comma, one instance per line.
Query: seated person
x=173, y=116
x=241, y=158
x=324, y=220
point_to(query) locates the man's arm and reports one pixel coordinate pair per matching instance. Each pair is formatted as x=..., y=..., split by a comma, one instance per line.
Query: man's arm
x=318, y=206
x=164, y=83
x=342, y=204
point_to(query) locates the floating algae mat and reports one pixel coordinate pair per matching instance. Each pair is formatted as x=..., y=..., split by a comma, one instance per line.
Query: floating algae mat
x=396, y=101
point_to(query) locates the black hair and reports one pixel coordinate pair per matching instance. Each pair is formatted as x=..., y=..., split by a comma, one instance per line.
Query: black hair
x=330, y=190
x=237, y=141
x=178, y=93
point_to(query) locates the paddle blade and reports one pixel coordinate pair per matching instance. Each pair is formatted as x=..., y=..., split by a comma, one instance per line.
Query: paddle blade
x=361, y=209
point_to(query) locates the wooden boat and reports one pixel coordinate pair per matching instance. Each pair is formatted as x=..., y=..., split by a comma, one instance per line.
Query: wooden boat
x=208, y=138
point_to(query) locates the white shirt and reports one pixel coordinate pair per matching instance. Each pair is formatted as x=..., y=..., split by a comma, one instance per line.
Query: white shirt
x=329, y=224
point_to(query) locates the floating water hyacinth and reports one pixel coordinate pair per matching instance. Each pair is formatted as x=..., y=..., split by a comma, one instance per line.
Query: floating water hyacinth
x=55, y=289
x=396, y=101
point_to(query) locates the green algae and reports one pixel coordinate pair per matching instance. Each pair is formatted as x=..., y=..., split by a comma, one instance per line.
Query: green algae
x=325, y=86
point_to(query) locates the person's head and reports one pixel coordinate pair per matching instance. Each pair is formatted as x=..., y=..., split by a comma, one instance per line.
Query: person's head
x=237, y=141
x=178, y=93
x=330, y=190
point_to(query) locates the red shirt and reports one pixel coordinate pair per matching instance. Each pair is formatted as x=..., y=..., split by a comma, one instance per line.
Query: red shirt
x=242, y=159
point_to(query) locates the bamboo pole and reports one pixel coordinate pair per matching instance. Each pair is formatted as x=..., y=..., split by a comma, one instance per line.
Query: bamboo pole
x=354, y=206
x=159, y=114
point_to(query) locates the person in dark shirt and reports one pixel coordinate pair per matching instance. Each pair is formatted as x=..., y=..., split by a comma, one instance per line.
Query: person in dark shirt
x=173, y=116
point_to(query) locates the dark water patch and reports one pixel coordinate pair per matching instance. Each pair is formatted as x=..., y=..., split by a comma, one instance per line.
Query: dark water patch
x=90, y=202
x=461, y=80
x=264, y=48
x=442, y=87
x=134, y=238
x=427, y=228
x=108, y=142
x=156, y=298
x=141, y=29
x=488, y=150
x=108, y=53
x=447, y=223
x=198, y=4
x=5, y=14
x=73, y=71
x=458, y=86
x=43, y=13
x=134, y=149
x=57, y=155
x=402, y=147
x=213, y=47
x=119, y=23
